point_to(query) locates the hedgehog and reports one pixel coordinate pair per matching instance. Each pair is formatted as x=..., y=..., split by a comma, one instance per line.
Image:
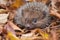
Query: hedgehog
x=33, y=15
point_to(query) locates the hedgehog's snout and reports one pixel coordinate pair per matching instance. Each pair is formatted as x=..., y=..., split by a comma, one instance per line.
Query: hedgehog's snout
x=29, y=26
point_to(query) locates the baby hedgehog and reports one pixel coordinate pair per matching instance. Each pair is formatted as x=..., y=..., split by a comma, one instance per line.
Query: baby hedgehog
x=33, y=15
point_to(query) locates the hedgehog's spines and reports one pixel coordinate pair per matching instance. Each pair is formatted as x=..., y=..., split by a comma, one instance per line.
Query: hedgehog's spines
x=38, y=5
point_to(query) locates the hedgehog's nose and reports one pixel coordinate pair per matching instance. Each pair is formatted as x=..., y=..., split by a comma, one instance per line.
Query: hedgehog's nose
x=29, y=27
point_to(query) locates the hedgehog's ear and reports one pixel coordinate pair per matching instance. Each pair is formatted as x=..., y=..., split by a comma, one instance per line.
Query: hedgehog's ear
x=44, y=13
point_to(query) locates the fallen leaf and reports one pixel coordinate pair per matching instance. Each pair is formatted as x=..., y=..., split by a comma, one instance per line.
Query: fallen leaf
x=3, y=18
x=12, y=36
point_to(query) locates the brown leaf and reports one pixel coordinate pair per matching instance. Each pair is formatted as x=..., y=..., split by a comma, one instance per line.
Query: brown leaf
x=8, y=28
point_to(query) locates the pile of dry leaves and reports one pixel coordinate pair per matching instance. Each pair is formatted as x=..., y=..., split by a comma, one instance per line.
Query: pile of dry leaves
x=10, y=31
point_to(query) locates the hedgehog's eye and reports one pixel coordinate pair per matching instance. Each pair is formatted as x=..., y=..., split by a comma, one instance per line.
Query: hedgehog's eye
x=34, y=20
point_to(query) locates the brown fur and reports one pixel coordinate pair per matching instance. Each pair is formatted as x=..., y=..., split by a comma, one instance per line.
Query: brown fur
x=33, y=16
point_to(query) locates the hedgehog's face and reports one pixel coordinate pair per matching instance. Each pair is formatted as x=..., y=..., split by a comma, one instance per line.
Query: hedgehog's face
x=31, y=17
